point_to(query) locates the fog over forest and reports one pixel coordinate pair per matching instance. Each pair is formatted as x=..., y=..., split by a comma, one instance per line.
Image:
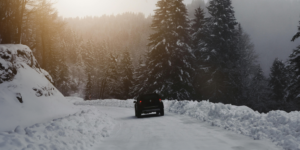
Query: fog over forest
x=271, y=26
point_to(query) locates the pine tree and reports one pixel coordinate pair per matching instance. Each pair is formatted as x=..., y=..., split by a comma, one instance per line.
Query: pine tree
x=278, y=80
x=89, y=61
x=220, y=54
x=140, y=76
x=105, y=65
x=100, y=62
x=294, y=83
x=62, y=70
x=47, y=25
x=110, y=83
x=194, y=5
x=88, y=88
x=197, y=29
x=126, y=75
x=297, y=35
x=169, y=59
x=259, y=91
x=246, y=65
x=294, y=69
x=13, y=14
x=198, y=34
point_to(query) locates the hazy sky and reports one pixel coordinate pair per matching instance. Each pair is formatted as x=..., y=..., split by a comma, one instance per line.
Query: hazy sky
x=81, y=8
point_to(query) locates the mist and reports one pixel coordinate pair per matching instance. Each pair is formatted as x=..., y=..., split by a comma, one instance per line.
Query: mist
x=271, y=25
x=80, y=8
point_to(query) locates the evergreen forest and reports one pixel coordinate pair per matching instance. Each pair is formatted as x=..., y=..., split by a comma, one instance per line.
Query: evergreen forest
x=182, y=52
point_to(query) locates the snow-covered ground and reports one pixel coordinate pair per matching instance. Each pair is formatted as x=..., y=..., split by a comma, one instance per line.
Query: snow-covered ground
x=80, y=131
x=111, y=124
x=282, y=128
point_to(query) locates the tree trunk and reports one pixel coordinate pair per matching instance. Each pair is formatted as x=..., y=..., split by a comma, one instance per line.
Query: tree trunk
x=20, y=14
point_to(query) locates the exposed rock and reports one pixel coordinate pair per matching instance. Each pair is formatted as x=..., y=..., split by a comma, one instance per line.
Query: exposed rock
x=19, y=97
x=14, y=56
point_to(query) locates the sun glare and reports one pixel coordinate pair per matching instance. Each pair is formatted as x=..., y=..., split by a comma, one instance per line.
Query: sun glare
x=81, y=8
x=73, y=8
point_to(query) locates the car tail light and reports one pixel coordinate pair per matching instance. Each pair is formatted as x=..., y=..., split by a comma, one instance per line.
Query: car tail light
x=160, y=100
x=140, y=102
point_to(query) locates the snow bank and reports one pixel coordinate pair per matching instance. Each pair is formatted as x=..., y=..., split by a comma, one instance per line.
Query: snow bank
x=26, y=93
x=280, y=127
x=78, y=131
x=108, y=102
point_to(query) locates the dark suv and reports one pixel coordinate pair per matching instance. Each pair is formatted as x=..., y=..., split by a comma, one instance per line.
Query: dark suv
x=148, y=103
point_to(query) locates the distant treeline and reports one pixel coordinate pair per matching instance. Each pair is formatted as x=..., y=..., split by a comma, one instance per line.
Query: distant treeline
x=209, y=57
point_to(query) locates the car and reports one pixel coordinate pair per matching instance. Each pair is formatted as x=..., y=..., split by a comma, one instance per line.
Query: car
x=148, y=103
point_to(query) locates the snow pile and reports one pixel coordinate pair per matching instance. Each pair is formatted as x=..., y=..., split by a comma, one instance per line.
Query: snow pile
x=108, y=102
x=280, y=127
x=78, y=131
x=26, y=93
x=72, y=99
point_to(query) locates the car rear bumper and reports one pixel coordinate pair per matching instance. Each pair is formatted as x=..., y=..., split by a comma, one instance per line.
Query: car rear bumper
x=150, y=110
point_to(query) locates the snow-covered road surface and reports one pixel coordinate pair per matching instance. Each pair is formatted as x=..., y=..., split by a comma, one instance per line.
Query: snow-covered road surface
x=172, y=132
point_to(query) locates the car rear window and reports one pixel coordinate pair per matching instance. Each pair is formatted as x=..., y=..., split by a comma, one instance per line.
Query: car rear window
x=146, y=97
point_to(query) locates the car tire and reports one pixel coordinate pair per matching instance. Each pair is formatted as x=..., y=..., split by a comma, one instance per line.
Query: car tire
x=138, y=114
x=162, y=112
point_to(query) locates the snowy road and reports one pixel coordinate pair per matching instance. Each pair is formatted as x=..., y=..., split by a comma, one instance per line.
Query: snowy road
x=172, y=132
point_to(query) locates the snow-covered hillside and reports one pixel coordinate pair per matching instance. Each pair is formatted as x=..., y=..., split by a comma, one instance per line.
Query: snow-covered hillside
x=278, y=126
x=26, y=93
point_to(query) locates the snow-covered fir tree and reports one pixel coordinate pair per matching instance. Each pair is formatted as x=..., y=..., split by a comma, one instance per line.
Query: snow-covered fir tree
x=197, y=29
x=100, y=63
x=294, y=82
x=53, y=64
x=77, y=68
x=62, y=79
x=140, y=76
x=246, y=65
x=194, y=5
x=297, y=35
x=197, y=35
x=88, y=56
x=293, y=66
x=110, y=83
x=220, y=54
x=258, y=91
x=126, y=69
x=278, y=80
x=169, y=60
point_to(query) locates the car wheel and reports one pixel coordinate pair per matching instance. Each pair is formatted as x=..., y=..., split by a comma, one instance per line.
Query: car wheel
x=162, y=112
x=138, y=114
x=157, y=113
